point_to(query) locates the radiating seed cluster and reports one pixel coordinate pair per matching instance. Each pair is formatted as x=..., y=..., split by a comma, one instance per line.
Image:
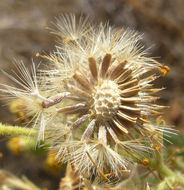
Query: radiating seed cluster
x=95, y=99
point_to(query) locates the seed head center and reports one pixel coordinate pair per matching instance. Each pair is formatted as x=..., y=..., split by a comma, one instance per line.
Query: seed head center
x=106, y=99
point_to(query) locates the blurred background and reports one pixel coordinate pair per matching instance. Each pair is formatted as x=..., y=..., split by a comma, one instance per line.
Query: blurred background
x=23, y=33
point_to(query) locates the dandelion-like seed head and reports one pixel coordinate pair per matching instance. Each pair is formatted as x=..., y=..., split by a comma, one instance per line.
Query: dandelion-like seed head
x=95, y=99
x=112, y=97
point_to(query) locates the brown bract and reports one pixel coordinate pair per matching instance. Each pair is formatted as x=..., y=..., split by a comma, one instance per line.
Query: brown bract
x=109, y=97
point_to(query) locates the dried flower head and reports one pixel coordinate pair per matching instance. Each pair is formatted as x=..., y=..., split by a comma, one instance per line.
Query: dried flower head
x=97, y=90
x=109, y=85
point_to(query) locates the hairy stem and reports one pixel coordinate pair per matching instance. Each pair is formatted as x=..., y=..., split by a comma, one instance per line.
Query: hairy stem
x=158, y=164
x=170, y=178
x=7, y=130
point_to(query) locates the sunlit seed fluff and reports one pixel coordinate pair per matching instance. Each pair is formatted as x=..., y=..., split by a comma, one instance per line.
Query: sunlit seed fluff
x=26, y=97
x=111, y=95
x=70, y=28
x=95, y=97
x=159, y=132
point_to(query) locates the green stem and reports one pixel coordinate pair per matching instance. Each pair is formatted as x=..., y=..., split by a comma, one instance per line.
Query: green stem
x=6, y=130
x=169, y=177
x=160, y=167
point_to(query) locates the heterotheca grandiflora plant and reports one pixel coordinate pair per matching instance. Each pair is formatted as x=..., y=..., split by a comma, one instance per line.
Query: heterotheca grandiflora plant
x=94, y=100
